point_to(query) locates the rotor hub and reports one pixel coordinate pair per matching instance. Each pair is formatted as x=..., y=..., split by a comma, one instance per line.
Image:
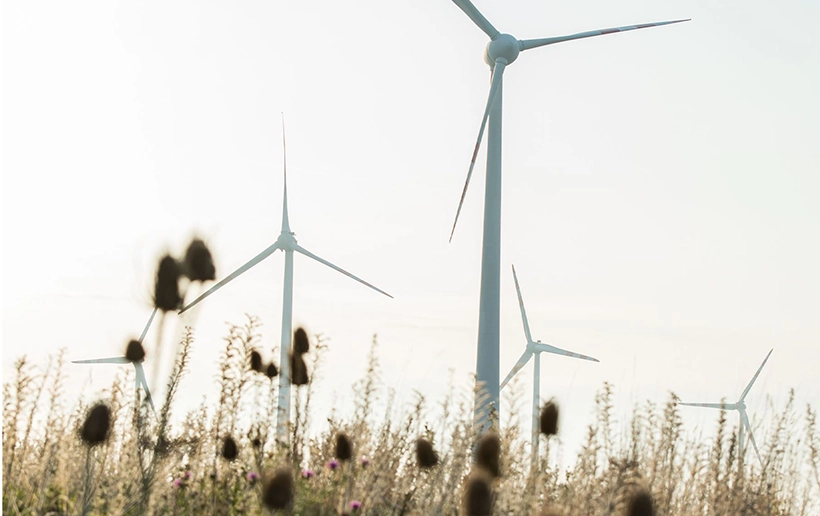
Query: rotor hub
x=286, y=241
x=505, y=47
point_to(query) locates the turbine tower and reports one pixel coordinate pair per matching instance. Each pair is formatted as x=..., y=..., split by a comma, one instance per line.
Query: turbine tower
x=286, y=243
x=501, y=51
x=534, y=349
x=139, y=373
x=740, y=406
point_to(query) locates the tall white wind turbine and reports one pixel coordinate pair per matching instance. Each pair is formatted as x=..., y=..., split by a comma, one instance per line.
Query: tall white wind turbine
x=501, y=51
x=534, y=350
x=139, y=373
x=287, y=243
x=740, y=406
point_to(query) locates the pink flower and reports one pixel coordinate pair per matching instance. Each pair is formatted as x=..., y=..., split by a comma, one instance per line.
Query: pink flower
x=252, y=476
x=365, y=462
x=333, y=464
x=355, y=505
x=178, y=483
x=187, y=475
x=308, y=473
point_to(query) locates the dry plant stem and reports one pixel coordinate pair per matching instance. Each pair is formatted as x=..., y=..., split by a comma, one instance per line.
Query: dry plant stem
x=87, y=482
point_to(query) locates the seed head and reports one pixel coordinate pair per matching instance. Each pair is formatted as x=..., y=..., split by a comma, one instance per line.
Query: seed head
x=256, y=442
x=134, y=352
x=488, y=450
x=229, y=449
x=97, y=423
x=641, y=504
x=278, y=490
x=301, y=344
x=344, y=449
x=298, y=370
x=199, y=264
x=425, y=454
x=478, y=498
x=271, y=371
x=549, y=419
x=256, y=362
x=166, y=288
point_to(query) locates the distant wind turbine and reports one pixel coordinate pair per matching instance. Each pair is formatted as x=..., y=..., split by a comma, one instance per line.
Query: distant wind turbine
x=501, y=51
x=140, y=380
x=535, y=348
x=740, y=406
x=287, y=243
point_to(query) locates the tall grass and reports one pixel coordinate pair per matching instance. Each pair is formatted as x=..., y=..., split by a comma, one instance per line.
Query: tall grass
x=173, y=464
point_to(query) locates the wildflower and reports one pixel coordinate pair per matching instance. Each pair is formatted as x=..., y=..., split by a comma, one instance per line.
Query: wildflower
x=272, y=371
x=252, y=477
x=256, y=362
x=487, y=452
x=355, y=505
x=187, y=475
x=344, y=449
x=298, y=370
x=301, y=344
x=364, y=461
x=199, y=264
x=178, y=483
x=426, y=456
x=478, y=494
x=308, y=473
x=278, y=490
x=549, y=419
x=166, y=288
x=95, y=428
x=134, y=352
x=641, y=504
x=229, y=448
x=333, y=464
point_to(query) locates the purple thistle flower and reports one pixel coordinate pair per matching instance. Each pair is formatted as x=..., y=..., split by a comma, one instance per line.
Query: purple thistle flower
x=187, y=475
x=308, y=473
x=365, y=462
x=252, y=476
x=333, y=464
x=178, y=483
x=355, y=505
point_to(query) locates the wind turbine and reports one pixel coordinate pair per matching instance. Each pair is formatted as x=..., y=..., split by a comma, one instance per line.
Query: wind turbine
x=138, y=371
x=501, y=51
x=534, y=349
x=740, y=406
x=287, y=243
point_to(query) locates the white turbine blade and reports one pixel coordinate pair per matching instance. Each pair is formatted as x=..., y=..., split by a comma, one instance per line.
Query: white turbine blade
x=478, y=18
x=285, y=219
x=558, y=351
x=527, y=44
x=258, y=258
x=517, y=367
x=721, y=406
x=113, y=360
x=498, y=74
x=748, y=387
x=521, y=306
x=751, y=437
x=150, y=319
x=307, y=253
x=142, y=381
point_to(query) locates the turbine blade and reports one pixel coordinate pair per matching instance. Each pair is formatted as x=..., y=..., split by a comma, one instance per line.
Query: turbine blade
x=528, y=44
x=558, y=351
x=721, y=406
x=517, y=367
x=748, y=387
x=150, y=319
x=113, y=360
x=141, y=379
x=478, y=18
x=285, y=219
x=307, y=253
x=498, y=74
x=258, y=258
x=751, y=437
x=521, y=306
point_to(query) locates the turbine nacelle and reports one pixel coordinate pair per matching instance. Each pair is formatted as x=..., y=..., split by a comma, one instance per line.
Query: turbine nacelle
x=504, y=46
x=286, y=241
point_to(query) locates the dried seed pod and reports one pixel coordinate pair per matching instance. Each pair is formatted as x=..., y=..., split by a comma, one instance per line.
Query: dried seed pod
x=277, y=492
x=256, y=362
x=199, y=264
x=425, y=454
x=134, y=352
x=166, y=288
x=488, y=451
x=549, y=419
x=256, y=442
x=301, y=344
x=229, y=448
x=478, y=495
x=97, y=423
x=271, y=371
x=344, y=449
x=641, y=504
x=298, y=370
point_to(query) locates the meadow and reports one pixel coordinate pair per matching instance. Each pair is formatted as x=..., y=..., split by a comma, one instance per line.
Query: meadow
x=223, y=458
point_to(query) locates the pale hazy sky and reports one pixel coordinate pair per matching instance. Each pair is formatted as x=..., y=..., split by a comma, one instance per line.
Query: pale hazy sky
x=659, y=195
